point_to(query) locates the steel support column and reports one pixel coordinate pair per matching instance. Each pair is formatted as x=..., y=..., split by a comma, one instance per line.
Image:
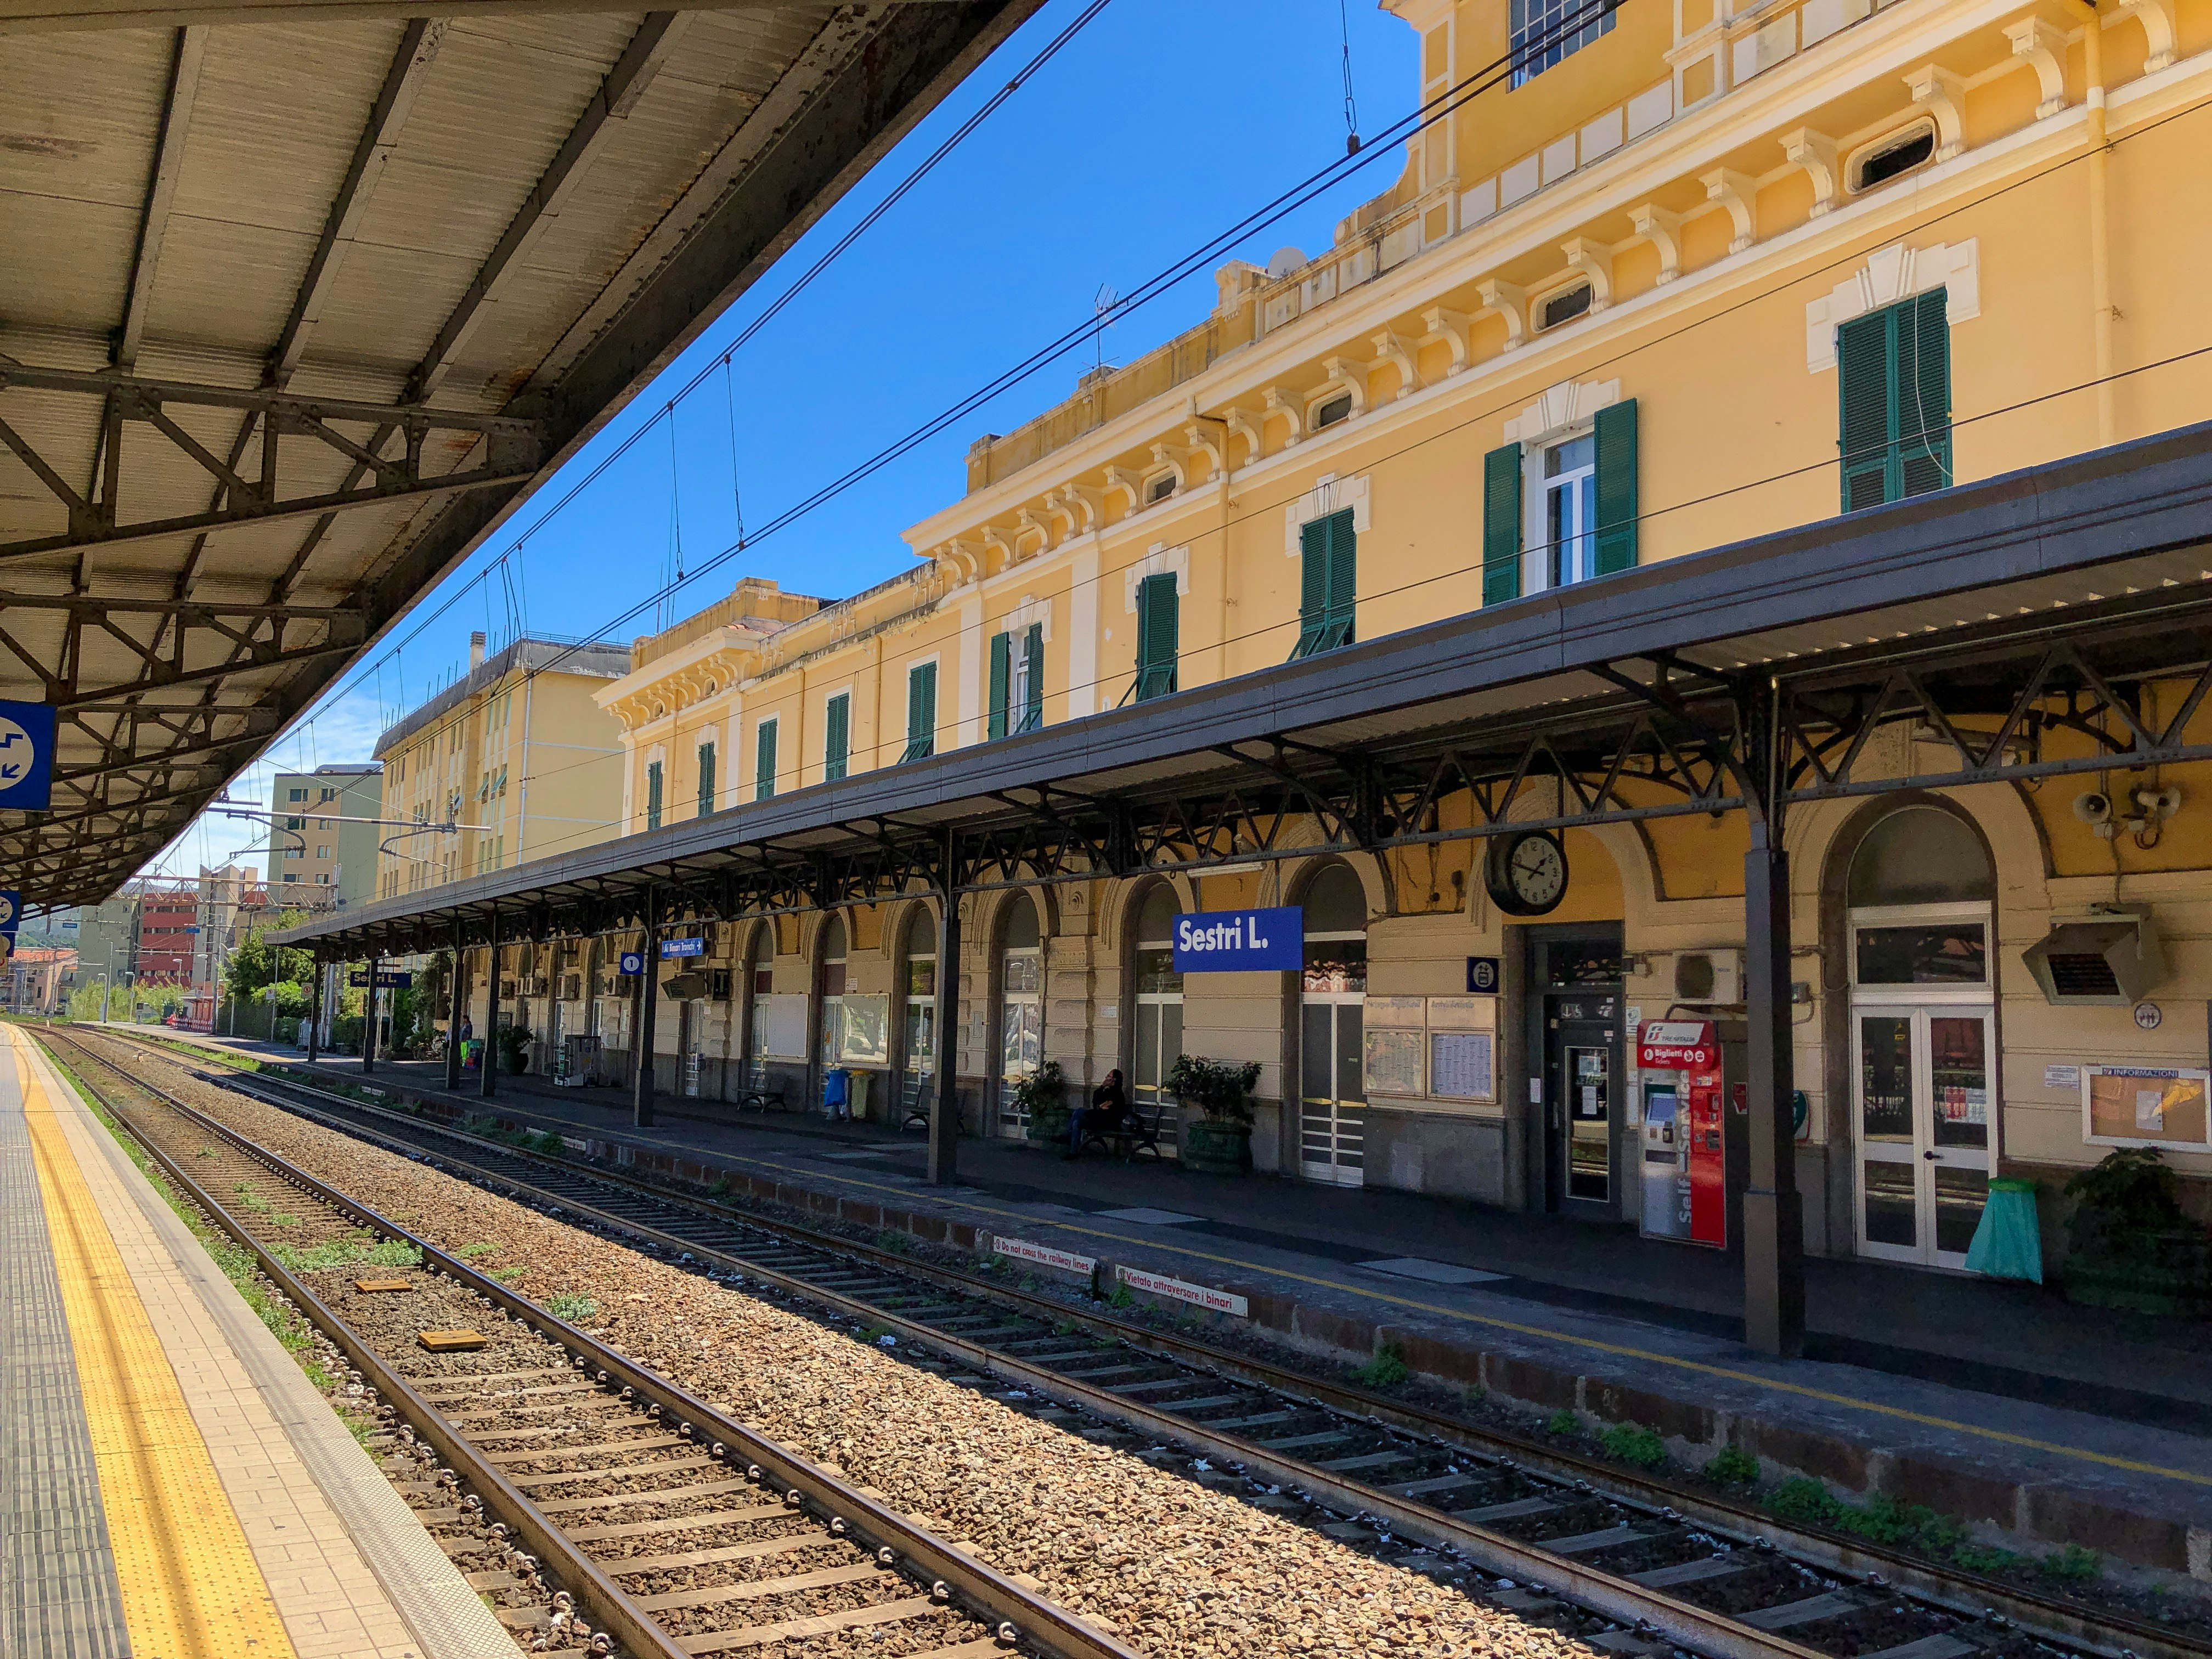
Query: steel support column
x=1773, y=1214
x=487, y=1063
x=314, y=1012
x=456, y=1002
x=944, y=1107
x=368, y=1020
x=649, y=975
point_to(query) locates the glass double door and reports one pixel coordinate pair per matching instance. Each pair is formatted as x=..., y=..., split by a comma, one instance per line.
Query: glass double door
x=1332, y=1097
x=1925, y=1112
x=1158, y=1041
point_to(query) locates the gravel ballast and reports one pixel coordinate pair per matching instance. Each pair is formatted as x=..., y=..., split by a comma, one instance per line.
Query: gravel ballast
x=1175, y=1569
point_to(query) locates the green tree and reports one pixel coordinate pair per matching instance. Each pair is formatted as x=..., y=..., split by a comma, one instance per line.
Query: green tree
x=256, y=964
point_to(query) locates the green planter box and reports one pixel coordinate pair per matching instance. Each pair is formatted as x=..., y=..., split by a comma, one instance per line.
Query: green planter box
x=1214, y=1148
x=1048, y=1125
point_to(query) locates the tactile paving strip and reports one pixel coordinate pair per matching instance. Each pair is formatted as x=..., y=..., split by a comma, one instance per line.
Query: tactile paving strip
x=190, y=1586
x=59, y=1596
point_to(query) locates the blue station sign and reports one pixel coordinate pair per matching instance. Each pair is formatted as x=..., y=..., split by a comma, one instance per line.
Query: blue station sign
x=27, y=756
x=12, y=913
x=682, y=947
x=1240, y=941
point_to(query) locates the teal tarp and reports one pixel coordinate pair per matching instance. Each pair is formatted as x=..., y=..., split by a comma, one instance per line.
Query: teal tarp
x=2006, y=1244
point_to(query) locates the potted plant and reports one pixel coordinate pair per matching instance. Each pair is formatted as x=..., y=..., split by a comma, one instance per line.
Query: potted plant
x=515, y=1049
x=1042, y=1095
x=2128, y=1244
x=1219, y=1140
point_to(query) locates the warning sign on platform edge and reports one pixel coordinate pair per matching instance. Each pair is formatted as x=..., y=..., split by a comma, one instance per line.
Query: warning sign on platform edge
x=1045, y=1255
x=1181, y=1289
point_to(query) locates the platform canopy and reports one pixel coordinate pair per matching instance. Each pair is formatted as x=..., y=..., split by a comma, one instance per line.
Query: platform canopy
x=2007, y=626
x=299, y=299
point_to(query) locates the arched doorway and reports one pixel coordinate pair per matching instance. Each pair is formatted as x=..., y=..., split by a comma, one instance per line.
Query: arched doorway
x=1332, y=998
x=1924, y=1038
x=758, y=979
x=1021, y=1009
x=1156, y=1006
x=918, y=1017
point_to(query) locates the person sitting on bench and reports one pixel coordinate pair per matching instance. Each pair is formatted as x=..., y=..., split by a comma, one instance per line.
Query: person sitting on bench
x=1109, y=1105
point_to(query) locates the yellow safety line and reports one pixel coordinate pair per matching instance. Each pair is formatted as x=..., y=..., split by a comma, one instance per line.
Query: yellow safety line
x=1622, y=1350
x=191, y=1587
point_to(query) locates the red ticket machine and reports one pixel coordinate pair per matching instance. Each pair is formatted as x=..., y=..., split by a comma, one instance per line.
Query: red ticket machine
x=1685, y=1131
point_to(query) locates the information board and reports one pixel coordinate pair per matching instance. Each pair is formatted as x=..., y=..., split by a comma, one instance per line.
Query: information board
x=868, y=1024
x=1463, y=1064
x=1390, y=1061
x=783, y=1025
x=2146, y=1106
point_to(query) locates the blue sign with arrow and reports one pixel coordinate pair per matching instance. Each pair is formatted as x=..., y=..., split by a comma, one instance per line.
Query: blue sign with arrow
x=682, y=947
x=27, y=756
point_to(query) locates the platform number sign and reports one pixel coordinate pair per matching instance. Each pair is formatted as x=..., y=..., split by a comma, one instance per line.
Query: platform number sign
x=11, y=915
x=27, y=756
x=633, y=962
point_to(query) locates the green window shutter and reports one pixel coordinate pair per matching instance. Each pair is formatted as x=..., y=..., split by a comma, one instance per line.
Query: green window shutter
x=1343, y=579
x=1616, y=488
x=1033, y=660
x=764, y=761
x=1501, y=524
x=706, y=779
x=652, y=795
x=1866, y=354
x=920, y=712
x=1924, y=393
x=1158, y=628
x=1328, y=583
x=1002, y=675
x=837, y=745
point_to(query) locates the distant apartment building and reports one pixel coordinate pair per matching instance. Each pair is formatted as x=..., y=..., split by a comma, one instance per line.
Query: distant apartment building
x=36, y=979
x=322, y=840
x=168, y=927
x=518, y=752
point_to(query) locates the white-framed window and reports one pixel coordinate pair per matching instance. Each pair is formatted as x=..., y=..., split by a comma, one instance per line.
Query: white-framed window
x=1547, y=32
x=1160, y=487
x=1562, y=496
x=1563, y=305
x=1891, y=155
x=1330, y=410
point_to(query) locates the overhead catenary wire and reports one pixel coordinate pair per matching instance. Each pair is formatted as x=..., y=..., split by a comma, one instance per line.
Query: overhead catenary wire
x=1498, y=71
x=1704, y=319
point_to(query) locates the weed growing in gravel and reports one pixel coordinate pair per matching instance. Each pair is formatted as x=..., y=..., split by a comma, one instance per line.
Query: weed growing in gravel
x=1121, y=1297
x=1386, y=1370
x=571, y=1305
x=890, y=1240
x=1630, y=1444
x=251, y=1200
x=351, y=1249
x=207, y=1151
x=2072, y=1566
x=470, y=1252
x=1731, y=1466
x=283, y=1218
x=547, y=1142
x=875, y=1334
x=508, y=1275
x=1066, y=1328
x=1563, y=1422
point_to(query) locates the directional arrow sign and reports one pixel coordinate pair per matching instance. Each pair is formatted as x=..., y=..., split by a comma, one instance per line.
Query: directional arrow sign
x=27, y=756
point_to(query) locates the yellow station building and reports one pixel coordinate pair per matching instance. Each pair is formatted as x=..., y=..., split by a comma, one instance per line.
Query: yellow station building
x=1656, y=280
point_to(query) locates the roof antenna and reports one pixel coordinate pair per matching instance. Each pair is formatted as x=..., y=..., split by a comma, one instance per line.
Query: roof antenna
x=1350, y=109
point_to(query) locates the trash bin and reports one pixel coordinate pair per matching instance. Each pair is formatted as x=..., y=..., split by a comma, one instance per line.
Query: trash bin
x=838, y=1093
x=2006, y=1244
x=472, y=1053
x=856, y=1091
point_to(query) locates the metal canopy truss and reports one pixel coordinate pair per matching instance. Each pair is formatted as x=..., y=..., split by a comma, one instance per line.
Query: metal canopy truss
x=307, y=304
x=509, y=453
x=2004, y=631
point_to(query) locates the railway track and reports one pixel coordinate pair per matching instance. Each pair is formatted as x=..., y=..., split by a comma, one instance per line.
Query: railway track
x=1631, y=1565
x=604, y=1510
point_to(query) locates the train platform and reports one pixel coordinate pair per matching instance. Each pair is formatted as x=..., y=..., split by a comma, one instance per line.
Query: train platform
x=1999, y=1403
x=171, y=1483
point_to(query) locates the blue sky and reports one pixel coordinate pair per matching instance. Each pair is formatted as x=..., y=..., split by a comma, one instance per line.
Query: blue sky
x=1161, y=124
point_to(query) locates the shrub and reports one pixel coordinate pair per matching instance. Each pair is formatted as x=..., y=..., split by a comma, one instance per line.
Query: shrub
x=1563, y=1422
x=571, y=1305
x=1221, y=1091
x=1731, y=1466
x=1386, y=1370
x=1632, y=1444
x=2072, y=1564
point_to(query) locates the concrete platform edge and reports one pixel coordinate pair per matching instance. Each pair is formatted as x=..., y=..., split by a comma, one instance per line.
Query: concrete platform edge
x=2029, y=1508
x=444, y=1616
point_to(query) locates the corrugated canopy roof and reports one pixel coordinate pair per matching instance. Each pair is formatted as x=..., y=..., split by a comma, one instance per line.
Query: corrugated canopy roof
x=298, y=300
